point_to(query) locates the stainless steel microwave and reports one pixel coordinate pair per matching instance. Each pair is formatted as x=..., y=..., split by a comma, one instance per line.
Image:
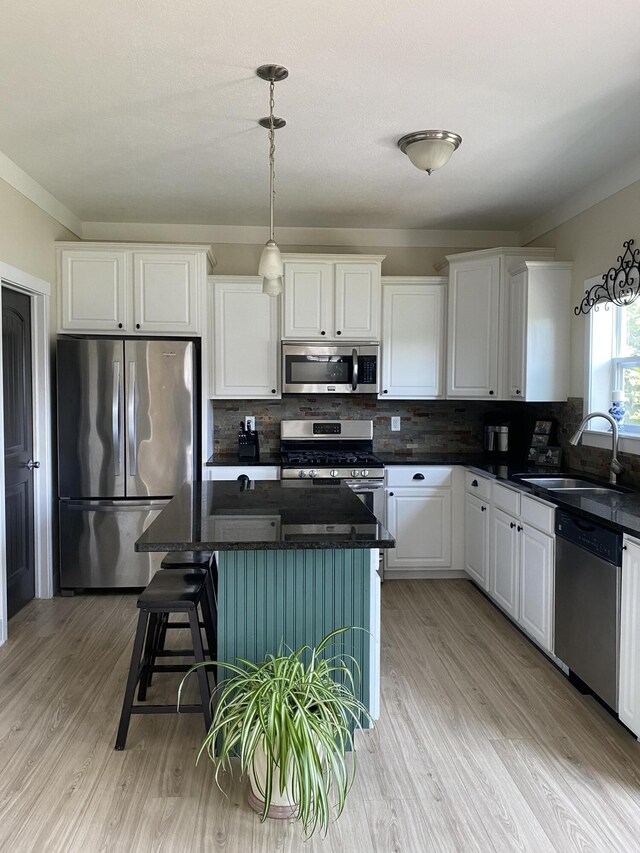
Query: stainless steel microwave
x=319, y=368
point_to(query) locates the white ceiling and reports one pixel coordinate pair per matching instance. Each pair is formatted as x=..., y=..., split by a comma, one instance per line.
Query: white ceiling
x=146, y=110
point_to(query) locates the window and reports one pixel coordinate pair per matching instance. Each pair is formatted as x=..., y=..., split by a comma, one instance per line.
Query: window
x=625, y=363
x=614, y=365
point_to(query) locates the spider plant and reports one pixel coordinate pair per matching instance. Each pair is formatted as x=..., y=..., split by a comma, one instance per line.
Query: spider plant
x=290, y=721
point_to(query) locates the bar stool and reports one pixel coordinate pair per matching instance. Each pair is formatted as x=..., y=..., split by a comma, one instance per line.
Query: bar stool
x=187, y=560
x=168, y=592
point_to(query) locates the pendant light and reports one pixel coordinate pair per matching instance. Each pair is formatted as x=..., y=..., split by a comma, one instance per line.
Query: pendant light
x=271, y=267
x=429, y=150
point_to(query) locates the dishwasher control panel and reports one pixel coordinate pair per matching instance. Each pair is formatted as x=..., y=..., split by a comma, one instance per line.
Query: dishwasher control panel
x=594, y=538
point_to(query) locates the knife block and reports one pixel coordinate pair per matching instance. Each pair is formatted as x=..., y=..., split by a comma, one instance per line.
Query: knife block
x=248, y=446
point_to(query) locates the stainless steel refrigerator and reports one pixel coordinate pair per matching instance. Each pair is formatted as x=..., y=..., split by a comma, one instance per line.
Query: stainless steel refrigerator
x=127, y=440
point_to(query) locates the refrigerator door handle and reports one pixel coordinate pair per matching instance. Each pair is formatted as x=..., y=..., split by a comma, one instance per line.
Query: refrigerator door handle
x=131, y=419
x=115, y=420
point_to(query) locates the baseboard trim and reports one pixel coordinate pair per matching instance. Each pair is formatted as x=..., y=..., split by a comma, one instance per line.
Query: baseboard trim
x=424, y=574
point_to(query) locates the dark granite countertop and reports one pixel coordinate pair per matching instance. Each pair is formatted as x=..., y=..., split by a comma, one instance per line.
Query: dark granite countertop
x=272, y=515
x=426, y=458
x=619, y=510
x=232, y=459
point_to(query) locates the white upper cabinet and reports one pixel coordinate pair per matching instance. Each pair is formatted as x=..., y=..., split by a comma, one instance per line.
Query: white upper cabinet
x=474, y=304
x=357, y=301
x=413, y=333
x=539, y=296
x=144, y=289
x=480, y=347
x=93, y=291
x=308, y=300
x=165, y=292
x=246, y=340
x=329, y=297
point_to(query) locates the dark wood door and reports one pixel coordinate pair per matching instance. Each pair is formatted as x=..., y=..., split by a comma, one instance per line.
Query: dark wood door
x=18, y=448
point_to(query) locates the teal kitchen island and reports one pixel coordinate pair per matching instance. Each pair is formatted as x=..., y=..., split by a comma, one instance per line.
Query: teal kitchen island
x=294, y=560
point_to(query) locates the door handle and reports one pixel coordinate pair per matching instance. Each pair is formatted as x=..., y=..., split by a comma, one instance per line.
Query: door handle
x=354, y=382
x=31, y=465
x=115, y=420
x=131, y=418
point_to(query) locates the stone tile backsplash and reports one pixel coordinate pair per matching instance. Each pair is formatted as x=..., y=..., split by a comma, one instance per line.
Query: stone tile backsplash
x=429, y=426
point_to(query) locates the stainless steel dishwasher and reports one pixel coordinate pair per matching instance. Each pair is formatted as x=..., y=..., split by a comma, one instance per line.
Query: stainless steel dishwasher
x=587, y=621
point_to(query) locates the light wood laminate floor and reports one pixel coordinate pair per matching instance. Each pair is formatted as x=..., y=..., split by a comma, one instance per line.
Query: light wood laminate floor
x=482, y=745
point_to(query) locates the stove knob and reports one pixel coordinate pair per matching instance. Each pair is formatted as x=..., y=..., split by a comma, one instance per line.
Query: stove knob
x=365, y=473
x=301, y=474
x=313, y=473
x=333, y=472
x=354, y=473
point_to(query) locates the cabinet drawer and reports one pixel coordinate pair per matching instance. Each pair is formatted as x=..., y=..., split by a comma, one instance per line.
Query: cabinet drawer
x=418, y=475
x=253, y=472
x=476, y=485
x=540, y=514
x=506, y=499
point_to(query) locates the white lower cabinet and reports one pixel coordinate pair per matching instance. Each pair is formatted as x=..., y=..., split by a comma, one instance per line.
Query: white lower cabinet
x=517, y=568
x=419, y=517
x=476, y=539
x=536, y=585
x=629, y=689
x=504, y=569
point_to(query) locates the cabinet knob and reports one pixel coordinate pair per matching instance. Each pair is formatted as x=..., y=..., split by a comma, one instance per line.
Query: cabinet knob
x=119, y=325
x=520, y=528
x=517, y=390
x=338, y=333
x=273, y=390
x=385, y=391
x=323, y=333
x=474, y=483
x=390, y=494
x=512, y=525
x=491, y=393
x=138, y=326
x=483, y=508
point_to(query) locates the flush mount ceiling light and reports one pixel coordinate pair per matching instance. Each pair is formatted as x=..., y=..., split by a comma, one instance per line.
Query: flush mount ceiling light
x=429, y=150
x=271, y=267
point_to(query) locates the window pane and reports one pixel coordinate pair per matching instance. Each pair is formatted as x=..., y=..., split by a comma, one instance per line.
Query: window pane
x=631, y=329
x=631, y=389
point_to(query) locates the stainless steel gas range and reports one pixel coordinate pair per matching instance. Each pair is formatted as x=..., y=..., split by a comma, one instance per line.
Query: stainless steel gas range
x=326, y=452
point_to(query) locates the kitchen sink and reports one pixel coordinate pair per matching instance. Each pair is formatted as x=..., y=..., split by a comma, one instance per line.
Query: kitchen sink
x=568, y=484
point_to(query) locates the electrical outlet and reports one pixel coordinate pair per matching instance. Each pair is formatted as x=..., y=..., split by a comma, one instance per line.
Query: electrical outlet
x=395, y=424
x=250, y=422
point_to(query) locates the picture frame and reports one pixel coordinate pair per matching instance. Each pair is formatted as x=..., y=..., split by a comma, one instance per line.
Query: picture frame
x=549, y=456
x=543, y=427
x=539, y=440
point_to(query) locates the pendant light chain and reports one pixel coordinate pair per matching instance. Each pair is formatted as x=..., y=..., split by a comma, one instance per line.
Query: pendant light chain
x=272, y=157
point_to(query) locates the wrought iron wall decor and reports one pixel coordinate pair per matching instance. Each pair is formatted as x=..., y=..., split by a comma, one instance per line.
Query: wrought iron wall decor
x=620, y=285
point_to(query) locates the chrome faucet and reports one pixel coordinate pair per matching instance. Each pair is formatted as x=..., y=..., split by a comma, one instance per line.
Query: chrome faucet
x=615, y=467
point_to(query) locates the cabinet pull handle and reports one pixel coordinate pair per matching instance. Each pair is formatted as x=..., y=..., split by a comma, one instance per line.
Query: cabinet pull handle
x=512, y=525
x=418, y=476
x=483, y=508
x=474, y=483
x=520, y=528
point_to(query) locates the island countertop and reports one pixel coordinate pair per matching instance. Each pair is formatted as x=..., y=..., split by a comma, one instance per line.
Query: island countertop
x=271, y=515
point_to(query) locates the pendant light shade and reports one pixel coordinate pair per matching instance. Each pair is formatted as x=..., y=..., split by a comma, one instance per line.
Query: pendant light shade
x=429, y=150
x=271, y=267
x=272, y=286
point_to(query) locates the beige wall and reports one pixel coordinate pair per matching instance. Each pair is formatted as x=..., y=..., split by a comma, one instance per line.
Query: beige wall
x=27, y=234
x=593, y=240
x=237, y=259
